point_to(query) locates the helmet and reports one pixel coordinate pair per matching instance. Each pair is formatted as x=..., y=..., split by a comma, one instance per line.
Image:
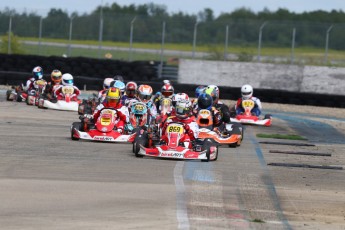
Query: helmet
x=113, y=96
x=166, y=82
x=205, y=101
x=37, y=72
x=145, y=93
x=118, y=77
x=67, y=79
x=56, y=76
x=179, y=97
x=167, y=90
x=107, y=82
x=118, y=84
x=131, y=88
x=247, y=91
x=213, y=91
x=183, y=109
x=199, y=90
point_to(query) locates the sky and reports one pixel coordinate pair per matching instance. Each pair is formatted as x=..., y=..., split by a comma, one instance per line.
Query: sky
x=41, y=7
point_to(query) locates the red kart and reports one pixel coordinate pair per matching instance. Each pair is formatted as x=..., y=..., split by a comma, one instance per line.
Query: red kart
x=103, y=129
x=248, y=118
x=173, y=144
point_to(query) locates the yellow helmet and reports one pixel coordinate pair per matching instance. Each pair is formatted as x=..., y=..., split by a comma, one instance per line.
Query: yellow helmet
x=113, y=96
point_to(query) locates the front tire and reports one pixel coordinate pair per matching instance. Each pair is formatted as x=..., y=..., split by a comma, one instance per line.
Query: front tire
x=77, y=126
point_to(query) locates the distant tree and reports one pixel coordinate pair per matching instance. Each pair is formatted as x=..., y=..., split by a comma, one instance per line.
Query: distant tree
x=14, y=44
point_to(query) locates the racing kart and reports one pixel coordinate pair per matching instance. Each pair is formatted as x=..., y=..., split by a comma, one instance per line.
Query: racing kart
x=16, y=94
x=66, y=104
x=35, y=94
x=249, y=118
x=103, y=129
x=231, y=134
x=174, y=145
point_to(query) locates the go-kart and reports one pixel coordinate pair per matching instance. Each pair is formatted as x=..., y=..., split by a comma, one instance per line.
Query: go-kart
x=103, y=129
x=67, y=103
x=247, y=117
x=17, y=93
x=174, y=144
x=35, y=94
x=229, y=134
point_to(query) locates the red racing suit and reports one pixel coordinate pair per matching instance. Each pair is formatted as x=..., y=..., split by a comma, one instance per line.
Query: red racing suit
x=74, y=97
x=121, y=111
x=190, y=126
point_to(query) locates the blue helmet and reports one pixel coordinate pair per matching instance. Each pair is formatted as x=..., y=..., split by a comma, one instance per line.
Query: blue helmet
x=199, y=90
x=118, y=84
x=205, y=101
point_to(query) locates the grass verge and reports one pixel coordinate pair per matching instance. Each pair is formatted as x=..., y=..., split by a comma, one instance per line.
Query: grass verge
x=281, y=136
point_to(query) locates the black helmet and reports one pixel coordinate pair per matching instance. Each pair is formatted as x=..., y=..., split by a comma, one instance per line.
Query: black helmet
x=205, y=101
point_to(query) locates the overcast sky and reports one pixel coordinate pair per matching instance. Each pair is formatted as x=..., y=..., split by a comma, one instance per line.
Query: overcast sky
x=41, y=7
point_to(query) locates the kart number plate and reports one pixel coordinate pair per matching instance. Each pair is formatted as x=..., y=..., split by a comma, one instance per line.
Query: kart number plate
x=175, y=129
x=67, y=90
x=139, y=107
x=248, y=104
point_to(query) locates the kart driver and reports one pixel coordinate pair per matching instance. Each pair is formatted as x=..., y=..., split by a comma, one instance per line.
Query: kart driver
x=183, y=115
x=113, y=100
x=223, y=109
x=56, y=78
x=205, y=101
x=247, y=94
x=67, y=80
x=130, y=95
x=106, y=85
x=37, y=74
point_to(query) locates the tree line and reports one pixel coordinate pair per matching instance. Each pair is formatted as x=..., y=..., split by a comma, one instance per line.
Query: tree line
x=148, y=20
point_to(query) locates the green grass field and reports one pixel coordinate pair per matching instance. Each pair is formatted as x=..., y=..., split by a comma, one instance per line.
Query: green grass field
x=302, y=55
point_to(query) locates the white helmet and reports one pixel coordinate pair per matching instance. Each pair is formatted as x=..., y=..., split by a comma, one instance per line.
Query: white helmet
x=67, y=79
x=247, y=91
x=183, y=109
x=106, y=82
x=179, y=97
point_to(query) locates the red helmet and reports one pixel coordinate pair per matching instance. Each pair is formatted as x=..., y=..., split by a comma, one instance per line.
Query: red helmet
x=167, y=90
x=131, y=88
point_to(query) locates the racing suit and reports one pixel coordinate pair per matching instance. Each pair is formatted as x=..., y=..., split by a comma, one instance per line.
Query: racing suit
x=50, y=89
x=256, y=110
x=59, y=95
x=102, y=94
x=190, y=126
x=121, y=111
x=128, y=101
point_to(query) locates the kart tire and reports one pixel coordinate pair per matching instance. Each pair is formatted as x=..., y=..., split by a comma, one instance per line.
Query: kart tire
x=267, y=116
x=75, y=125
x=8, y=94
x=140, y=139
x=206, y=146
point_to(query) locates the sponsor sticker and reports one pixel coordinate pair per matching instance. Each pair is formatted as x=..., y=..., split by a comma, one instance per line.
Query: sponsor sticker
x=101, y=138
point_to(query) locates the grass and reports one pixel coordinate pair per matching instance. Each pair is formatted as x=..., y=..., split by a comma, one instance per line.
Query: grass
x=281, y=136
x=302, y=55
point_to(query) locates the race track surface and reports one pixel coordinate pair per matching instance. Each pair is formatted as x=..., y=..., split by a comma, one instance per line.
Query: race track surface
x=48, y=181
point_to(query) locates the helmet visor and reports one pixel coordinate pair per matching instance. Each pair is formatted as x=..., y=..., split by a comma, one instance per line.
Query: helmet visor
x=167, y=93
x=246, y=93
x=130, y=93
x=144, y=97
x=70, y=81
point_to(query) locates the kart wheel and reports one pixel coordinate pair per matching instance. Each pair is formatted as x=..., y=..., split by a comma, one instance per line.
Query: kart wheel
x=216, y=155
x=206, y=146
x=75, y=125
x=267, y=116
x=8, y=94
x=136, y=147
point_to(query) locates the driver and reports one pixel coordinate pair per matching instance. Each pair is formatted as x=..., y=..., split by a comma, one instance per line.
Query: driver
x=183, y=115
x=113, y=100
x=67, y=80
x=247, y=94
x=37, y=74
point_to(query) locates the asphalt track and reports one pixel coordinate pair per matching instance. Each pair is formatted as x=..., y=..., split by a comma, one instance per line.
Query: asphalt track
x=48, y=181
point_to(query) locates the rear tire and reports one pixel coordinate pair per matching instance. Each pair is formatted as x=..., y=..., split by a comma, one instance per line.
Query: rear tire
x=75, y=125
x=206, y=146
x=8, y=94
